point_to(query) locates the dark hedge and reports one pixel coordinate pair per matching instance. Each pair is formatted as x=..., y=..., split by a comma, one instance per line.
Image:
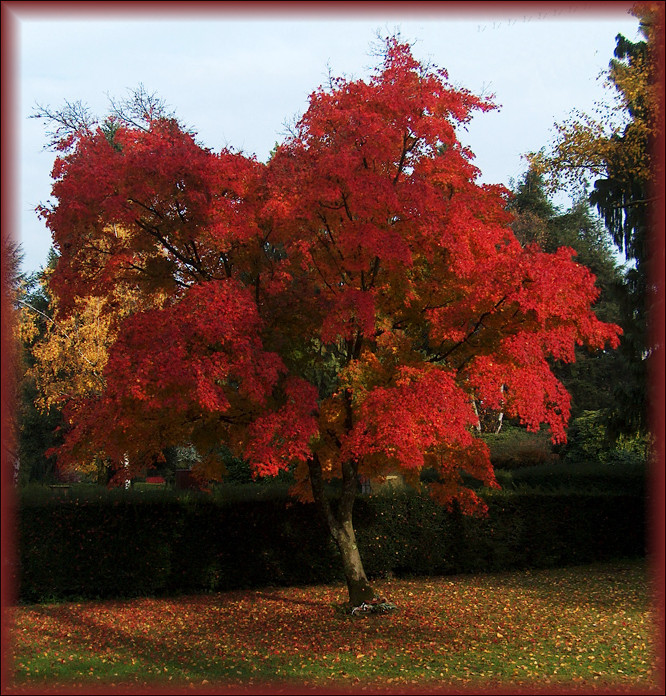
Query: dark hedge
x=124, y=548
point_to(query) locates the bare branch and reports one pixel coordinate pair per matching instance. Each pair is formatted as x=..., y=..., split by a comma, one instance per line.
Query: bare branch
x=73, y=119
x=140, y=109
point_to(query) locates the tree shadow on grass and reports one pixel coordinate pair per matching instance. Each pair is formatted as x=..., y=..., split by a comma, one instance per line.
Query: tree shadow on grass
x=102, y=642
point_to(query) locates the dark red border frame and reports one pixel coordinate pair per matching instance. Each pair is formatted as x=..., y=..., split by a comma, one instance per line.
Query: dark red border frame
x=13, y=11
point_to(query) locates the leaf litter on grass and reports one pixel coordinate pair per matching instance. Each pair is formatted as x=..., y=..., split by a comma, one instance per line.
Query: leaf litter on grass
x=590, y=626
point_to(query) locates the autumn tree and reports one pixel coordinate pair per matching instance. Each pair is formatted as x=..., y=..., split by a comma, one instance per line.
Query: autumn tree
x=334, y=311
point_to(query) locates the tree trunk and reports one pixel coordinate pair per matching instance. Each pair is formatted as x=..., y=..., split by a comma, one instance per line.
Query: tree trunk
x=341, y=527
x=476, y=413
x=500, y=418
x=128, y=483
x=357, y=583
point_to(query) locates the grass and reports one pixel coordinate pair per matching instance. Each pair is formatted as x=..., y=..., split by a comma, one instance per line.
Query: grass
x=586, y=627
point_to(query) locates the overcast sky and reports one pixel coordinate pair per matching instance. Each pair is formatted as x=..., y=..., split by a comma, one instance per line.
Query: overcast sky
x=237, y=77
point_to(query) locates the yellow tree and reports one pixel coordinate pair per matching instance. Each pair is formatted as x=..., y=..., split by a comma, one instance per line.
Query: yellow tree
x=69, y=349
x=617, y=138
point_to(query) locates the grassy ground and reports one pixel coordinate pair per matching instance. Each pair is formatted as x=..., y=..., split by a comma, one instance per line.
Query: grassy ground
x=585, y=627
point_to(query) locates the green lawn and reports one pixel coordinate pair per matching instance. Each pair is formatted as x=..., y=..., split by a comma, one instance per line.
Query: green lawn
x=583, y=627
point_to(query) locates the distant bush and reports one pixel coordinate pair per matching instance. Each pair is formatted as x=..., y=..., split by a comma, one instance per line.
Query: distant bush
x=589, y=441
x=514, y=448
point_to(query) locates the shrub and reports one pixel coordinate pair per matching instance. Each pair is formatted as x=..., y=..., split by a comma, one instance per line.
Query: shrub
x=589, y=441
x=514, y=448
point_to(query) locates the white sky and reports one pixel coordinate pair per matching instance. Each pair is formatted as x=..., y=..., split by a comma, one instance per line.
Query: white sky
x=238, y=77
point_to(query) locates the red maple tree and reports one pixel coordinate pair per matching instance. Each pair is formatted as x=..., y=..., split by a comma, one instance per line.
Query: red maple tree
x=334, y=311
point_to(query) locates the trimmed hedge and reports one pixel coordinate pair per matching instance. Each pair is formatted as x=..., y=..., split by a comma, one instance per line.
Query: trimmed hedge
x=123, y=548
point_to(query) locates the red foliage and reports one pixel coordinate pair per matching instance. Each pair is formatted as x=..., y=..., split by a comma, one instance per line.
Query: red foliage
x=347, y=299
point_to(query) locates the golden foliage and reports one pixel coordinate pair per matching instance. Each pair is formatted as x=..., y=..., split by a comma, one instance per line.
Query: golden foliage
x=70, y=357
x=618, y=135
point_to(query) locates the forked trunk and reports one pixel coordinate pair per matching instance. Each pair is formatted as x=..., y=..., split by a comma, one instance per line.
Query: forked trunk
x=341, y=528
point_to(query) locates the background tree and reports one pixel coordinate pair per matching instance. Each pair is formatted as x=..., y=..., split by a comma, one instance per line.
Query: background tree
x=14, y=290
x=33, y=429
x=38, y=425
x=336, y=310
x=617, y=150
